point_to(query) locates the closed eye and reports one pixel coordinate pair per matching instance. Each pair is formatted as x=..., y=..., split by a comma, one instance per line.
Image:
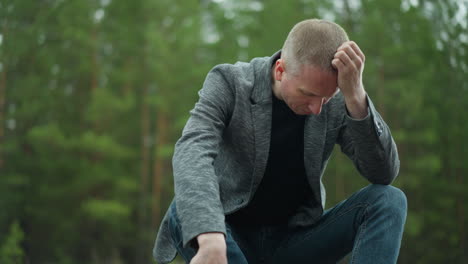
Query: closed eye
x=307, y=93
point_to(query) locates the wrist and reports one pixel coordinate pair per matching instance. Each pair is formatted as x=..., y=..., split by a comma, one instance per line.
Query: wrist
x=214, y=238
x=356, y=105
x=354, y=96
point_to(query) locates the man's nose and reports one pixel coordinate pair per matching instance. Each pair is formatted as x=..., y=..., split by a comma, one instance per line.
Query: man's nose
x=315, y=106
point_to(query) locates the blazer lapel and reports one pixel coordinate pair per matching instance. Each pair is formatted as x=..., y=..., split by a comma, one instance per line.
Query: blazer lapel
x=261, y=107
x=314, y=140
x=261, y=118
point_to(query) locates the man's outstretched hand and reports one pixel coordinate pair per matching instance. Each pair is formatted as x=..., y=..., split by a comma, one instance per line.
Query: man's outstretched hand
x=212, y=249
x=349, y=61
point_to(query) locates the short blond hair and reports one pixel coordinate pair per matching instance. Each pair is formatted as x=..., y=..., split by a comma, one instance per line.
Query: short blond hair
x=312, y=42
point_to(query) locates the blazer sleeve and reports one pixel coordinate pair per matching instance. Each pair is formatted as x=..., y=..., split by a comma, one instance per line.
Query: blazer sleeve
x=196, y=186
x=369, y=144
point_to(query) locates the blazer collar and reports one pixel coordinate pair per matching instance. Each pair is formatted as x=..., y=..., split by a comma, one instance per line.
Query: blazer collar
x=263, y=81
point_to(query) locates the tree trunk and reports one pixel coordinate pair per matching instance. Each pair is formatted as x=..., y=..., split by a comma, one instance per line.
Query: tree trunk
x=144, y=173
x=158, y=169
x=460, y=200
x=2, y=113
x=461, y=219
x=381, y=92
x=94, y=62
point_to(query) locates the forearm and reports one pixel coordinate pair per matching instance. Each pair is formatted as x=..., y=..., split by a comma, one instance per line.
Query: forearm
x=196, y=188
x=196, y=185
x=368, y=142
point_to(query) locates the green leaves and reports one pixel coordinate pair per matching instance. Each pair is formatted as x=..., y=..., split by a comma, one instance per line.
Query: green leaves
x=11, y=251
x=106, y=106
x=97, y=93
x=106, y=212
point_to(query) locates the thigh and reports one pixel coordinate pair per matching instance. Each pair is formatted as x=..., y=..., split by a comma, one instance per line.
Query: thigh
x=257, y=242
x=331, y=238
x=234, y=253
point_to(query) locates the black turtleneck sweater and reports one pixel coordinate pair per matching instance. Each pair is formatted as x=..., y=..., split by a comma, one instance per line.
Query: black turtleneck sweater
x=284, y=185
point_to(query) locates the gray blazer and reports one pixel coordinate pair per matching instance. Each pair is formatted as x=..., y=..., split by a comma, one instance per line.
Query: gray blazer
x=220, y=159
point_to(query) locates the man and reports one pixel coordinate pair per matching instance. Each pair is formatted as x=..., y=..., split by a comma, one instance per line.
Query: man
x=248, y=166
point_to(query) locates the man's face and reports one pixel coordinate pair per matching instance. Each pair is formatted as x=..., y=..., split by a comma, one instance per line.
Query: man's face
x=307, y=91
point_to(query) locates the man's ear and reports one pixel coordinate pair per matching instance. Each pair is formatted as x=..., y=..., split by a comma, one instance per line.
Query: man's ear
x=279, y=69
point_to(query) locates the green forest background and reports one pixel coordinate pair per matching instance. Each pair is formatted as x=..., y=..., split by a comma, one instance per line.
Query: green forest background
x=94, y=94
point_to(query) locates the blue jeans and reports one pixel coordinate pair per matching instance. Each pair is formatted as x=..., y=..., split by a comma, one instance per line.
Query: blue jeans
x=369, y=224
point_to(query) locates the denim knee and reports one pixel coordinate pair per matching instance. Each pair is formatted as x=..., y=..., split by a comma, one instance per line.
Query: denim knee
x=390, y=198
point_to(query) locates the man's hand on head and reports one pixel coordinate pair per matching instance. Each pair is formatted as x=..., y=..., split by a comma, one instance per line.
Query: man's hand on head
x=349, y=62
x=212, y=249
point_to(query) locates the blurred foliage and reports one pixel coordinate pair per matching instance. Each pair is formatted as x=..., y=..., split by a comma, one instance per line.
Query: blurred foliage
x=11, y=251
x=94, y=94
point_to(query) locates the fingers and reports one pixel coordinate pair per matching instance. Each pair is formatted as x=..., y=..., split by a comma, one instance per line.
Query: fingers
x=345, y=57
x=349, y=54
x=338, y=64
x=357, y=50
x=352, y=49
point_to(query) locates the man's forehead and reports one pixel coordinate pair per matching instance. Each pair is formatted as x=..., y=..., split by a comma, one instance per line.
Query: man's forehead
x=320, y=82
